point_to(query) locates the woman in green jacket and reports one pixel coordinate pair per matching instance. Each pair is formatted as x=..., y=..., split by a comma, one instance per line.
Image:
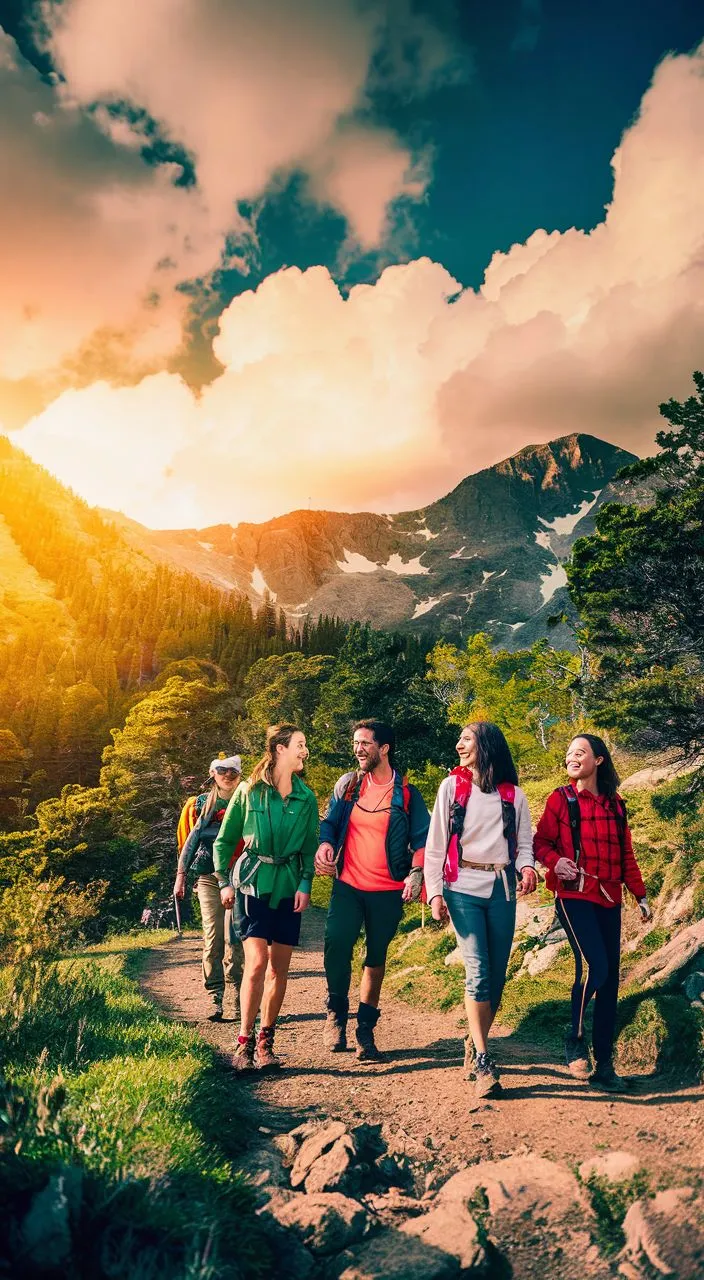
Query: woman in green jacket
x=272, y=824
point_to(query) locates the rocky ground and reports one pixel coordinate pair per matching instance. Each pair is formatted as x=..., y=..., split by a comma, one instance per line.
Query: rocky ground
x=393, y=1169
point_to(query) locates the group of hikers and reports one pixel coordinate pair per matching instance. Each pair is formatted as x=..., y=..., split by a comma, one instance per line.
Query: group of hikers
x=256, y=844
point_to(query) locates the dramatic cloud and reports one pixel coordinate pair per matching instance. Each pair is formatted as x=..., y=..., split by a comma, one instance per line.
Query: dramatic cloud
x=382, y=400
x=97, y=235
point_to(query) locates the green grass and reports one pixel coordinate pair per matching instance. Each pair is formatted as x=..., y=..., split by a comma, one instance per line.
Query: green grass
x=611, y=1202
x=96, y=1078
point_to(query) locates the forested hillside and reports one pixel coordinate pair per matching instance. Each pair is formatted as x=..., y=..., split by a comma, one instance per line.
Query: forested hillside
x=87, y=624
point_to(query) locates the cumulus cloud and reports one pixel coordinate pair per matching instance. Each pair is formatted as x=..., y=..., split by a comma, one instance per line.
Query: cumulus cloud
x=382, y=400
x=96, y=239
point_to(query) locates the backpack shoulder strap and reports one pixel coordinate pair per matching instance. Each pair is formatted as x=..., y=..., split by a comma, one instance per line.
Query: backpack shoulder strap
x=507, y=791
x=573, y=814
x=353, y=785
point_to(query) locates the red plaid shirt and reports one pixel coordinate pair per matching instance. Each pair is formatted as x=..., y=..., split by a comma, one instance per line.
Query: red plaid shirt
x=600, y=858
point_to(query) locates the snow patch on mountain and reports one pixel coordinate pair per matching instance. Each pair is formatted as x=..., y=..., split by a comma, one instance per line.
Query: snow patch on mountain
x=551, y=581
x=356, y=563
x=563, y=525
x=259, y=583
x=396, y=565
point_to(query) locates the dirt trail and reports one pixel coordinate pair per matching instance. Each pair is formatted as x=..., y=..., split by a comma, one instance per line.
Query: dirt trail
x=418, y=1089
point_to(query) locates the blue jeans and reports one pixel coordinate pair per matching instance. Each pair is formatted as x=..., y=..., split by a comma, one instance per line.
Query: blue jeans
x=485, y=928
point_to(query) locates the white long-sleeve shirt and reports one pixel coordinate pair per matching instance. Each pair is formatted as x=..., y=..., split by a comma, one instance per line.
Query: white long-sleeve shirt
x=482, y=840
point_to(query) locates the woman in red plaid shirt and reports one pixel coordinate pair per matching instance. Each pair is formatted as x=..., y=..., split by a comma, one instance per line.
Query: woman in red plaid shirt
x=584, y=841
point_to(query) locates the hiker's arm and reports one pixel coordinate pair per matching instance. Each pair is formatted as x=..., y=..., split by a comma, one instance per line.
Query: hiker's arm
x=308, y=848
x=419, y=823
x=525, y=860
x=436, y=843
x=632, y=877
x=230, y=834
x=546, y=843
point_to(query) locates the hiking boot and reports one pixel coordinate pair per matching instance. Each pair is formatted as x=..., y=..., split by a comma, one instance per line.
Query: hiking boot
x=577, y=1057
x=604, y=1077
x=486, y=1077
x=267, y=1060
x=335, y=1032
x=367, y=1018
x=470, y=1057
x=335, y=1029
x=243, y=1057
x=215, y=1014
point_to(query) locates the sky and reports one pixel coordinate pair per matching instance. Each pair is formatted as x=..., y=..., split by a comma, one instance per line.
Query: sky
x=259, y=255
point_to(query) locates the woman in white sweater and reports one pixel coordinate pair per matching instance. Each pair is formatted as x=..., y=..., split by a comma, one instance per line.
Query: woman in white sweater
x=479, y=853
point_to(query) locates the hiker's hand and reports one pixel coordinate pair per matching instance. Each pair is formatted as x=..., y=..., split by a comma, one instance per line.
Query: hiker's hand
x=301, y=901
x=439, y=911
x=528, y=881
x=413, y=885
x=645, y=912
x=325, y=860
x=180, y=885
x=227, y=897
x=566, y=869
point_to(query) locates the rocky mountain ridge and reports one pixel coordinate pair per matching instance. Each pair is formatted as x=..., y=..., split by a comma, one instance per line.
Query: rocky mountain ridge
x=487, y=556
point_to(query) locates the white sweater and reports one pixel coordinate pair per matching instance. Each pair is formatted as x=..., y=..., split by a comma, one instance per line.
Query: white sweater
x=482, y=839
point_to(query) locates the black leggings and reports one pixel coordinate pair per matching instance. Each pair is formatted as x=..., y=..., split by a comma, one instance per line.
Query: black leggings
x=594, y=933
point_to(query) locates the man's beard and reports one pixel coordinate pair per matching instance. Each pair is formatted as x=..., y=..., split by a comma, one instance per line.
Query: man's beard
x=370, y=762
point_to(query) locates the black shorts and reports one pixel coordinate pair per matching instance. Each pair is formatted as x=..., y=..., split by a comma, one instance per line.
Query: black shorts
x=254, y=918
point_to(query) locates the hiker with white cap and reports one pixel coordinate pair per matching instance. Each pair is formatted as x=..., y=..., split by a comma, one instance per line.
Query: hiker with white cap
x=198, y=827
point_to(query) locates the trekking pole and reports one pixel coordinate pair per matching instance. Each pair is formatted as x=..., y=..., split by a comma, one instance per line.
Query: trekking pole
x=422, y=915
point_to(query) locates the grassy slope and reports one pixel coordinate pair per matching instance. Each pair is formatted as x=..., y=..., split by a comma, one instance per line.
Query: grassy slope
x=98, y=1079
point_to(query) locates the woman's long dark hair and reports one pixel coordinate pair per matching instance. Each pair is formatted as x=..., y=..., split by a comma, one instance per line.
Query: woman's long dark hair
x=494, y=760
x=607, y=779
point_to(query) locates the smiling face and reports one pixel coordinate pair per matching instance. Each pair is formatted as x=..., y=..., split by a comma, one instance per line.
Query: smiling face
x=226, y=780
x=466, y=748
x=294, y=755
x=367, y=751
x=580, y=760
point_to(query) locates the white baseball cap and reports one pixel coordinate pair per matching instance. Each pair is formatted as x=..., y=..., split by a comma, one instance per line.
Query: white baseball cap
x=226, y=762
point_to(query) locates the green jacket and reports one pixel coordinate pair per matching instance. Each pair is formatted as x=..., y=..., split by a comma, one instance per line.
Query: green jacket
x=287, y=832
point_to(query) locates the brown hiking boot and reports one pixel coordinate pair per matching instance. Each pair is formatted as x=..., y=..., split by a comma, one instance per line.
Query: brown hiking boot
x=470, y=1057
x=486, y=1077
x=243, y=1057
x=335, y=1032
x=577, y=1057
x=266, y=1058
x=367, y=1018
x=215, y=1014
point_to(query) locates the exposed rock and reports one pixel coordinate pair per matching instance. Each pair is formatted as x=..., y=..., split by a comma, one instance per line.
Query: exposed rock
x=287, y=1148
x=537, y=961
x=312, y=1148
x=540, y=1216
x=369, y=1141
x=451, y=1227
x=392, y=1205
x=265, y=1169
x=393, y=1255
x=305, y=1130
x=694, y=985
x=336, y=1169
x=658, y=968
x=528, y=1183
x=668, y=1232
x=614, y=1166
x=676, y=906
x=649, y=778
x=324, y=1223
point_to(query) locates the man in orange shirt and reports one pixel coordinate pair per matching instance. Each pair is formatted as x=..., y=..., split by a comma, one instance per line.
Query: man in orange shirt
x=373, y=839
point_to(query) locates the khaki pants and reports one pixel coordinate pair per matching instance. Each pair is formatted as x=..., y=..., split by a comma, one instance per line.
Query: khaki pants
x=222, y=962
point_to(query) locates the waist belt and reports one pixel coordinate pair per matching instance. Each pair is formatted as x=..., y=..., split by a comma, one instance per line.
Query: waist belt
x=484, y=866
x=498, y=869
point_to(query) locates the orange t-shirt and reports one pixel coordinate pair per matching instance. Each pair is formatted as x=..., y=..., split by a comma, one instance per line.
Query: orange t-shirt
x=365, y=865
